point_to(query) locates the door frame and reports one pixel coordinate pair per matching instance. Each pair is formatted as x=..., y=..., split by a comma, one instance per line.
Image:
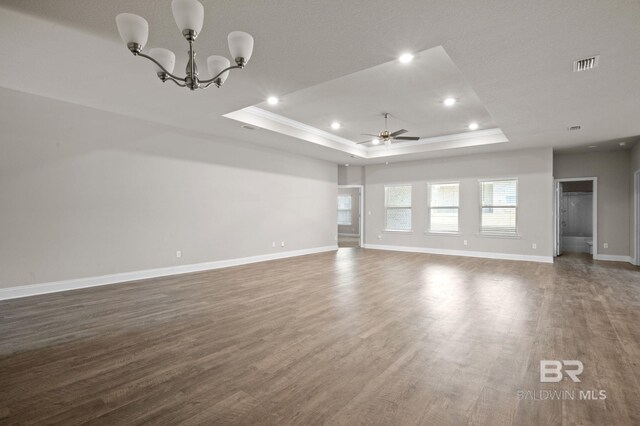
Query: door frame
x=556, y=212
x=636, y=216
x=360, y=216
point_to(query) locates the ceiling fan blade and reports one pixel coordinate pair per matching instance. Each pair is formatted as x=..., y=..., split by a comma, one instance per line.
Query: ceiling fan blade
x=398, y=132
x=359, y=143
x=368, y=134
x=407, y=138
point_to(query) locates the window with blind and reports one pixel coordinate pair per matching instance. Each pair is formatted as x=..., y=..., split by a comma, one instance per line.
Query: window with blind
x=344, y=209
x=397, y=204
x=499, y=204
x=444, y=202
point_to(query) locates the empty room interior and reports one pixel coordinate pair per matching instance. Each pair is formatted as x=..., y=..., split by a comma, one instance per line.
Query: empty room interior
x=320, y=212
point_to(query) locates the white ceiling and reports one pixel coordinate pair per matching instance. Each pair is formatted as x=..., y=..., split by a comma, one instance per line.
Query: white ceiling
x=412, y=93
x=516, y=56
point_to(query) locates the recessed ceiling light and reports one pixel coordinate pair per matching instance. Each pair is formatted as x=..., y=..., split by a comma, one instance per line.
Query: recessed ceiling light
x=473, y=126
x=449, y=101
x=593, y=146
x=375, y=141
x=405, y=58
x=335, y=125
x=273, y=100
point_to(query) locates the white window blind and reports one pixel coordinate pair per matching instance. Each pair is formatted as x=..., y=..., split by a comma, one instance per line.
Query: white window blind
x=499, y=202
x=397, y=204
x=444, y=203
x=344, y=209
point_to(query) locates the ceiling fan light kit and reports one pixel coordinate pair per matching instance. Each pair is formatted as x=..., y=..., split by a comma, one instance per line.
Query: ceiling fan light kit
x=189, y=17
x=388, y=137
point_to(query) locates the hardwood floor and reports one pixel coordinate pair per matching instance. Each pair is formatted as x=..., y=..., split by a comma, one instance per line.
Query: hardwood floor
x=348, y=241
x=351, y=337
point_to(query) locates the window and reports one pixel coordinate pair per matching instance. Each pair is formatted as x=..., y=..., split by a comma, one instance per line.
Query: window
x=344, y=209
x=499, y=202
x=444, y=201
x=397, y=205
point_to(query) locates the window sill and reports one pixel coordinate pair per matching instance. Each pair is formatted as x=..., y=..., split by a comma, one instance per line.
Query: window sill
x=399, y=231
x=504, y=236
x=443, y=234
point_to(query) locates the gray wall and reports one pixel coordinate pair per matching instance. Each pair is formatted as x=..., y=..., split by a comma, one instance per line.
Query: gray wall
x=533, y=169
x=635, y=166
x=612, y=170
x=352, y=175
x=354, y=228
x=87, y=193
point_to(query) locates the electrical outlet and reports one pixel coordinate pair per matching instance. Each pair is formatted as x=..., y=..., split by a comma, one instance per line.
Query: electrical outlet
x=464, y=242
x=605, y=245
x=179, y=254
x=273, y=244
x=369, y=212
x=534, y=246
x=282, y=244
x=379, y=237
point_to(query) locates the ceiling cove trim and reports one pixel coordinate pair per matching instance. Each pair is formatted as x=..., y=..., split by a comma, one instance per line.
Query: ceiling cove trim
x=298, y=125
x=286, y=126
x=277, y=123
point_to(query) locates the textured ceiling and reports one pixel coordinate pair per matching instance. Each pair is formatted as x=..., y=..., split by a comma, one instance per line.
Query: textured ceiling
x=516, y=55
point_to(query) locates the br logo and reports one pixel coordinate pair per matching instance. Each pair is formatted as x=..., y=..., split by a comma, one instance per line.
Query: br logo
x=551, y=370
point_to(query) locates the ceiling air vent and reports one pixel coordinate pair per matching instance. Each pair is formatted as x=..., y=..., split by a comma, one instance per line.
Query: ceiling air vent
x=247, y=127
x=574, y=128
x=586, y=63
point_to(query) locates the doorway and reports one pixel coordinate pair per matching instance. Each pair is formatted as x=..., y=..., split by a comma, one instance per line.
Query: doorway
x=350, y=205
x=575, y=224
x=636, y=215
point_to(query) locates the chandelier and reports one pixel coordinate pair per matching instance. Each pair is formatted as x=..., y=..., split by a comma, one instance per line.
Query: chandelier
x=189, y=16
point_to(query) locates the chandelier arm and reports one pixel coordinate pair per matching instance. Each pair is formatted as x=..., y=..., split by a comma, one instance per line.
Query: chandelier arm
x=204, y=86
x=175, y=81
x=220, y=73
x=161, y=67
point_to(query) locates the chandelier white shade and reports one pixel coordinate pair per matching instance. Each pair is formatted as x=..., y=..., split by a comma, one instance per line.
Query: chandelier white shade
x=240, y=45
x=189, y=14
x=189, y=17
x=133, y=28
x=216, y=65
x=165, y=57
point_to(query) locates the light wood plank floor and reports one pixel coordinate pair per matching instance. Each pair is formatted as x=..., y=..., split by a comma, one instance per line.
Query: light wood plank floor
x=351, y=337
x=348, y=241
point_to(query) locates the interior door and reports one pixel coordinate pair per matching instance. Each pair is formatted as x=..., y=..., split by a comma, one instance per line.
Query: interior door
x=558, y=222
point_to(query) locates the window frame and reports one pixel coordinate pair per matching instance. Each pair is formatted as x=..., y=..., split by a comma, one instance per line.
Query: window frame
x=384, y=195
x=514, y=234
x=429, y=231
x=346, y=210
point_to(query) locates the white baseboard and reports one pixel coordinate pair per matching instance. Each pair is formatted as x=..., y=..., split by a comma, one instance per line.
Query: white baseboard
x=465, y=253
x=613, y=258
x=66, y=285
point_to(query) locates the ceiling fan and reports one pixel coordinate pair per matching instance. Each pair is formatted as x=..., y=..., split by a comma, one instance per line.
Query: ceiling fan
x=388, y=137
